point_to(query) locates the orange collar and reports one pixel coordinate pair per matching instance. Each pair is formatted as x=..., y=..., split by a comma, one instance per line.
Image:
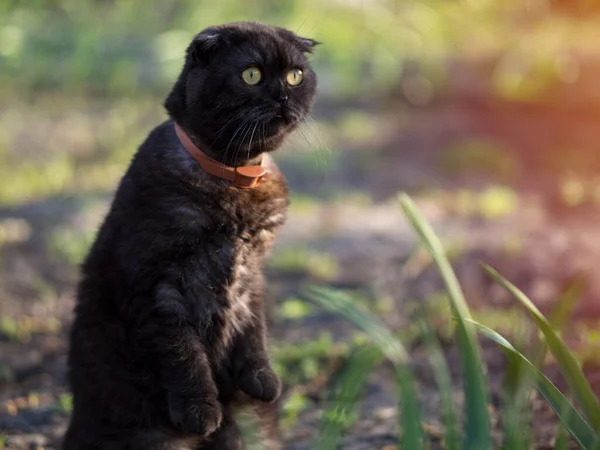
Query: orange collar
x=243, y=177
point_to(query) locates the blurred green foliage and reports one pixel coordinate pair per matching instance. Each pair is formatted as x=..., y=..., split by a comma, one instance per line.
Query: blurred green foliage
x=88, y=75
x=302, y=260
x=301, y=362
x=61, y=144
x=64, y=404
x=125, y=48
x=22, y=328
x=481, y=156
x=71, y=245
x=293, y=308
x=589, y=337
x=294, y=404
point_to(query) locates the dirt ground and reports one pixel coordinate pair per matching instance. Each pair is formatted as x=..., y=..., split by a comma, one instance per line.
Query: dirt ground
x=536, y=248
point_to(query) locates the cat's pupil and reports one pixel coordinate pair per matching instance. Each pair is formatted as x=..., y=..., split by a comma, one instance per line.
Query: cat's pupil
x=294, y=77
x=252, y=75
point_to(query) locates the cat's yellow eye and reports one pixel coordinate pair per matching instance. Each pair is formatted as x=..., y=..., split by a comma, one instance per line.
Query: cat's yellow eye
x=252, y=75
x=294, y=77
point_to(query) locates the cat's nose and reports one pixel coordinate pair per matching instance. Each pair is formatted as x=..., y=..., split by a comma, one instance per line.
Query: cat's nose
x=283, y=98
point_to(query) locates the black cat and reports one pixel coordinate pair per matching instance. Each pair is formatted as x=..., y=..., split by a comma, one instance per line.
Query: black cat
x=169, y=332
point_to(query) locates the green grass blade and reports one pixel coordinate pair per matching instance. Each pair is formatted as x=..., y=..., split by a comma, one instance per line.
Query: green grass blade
x=340, y=415
x=515, y=402
x=569, y=416
x=570, y=369
x=342, y=304
x=443, y=380
x=558, y=319
x=562, y=435
x=391, y=347
x=477, y=429
x=517, y=421
x=410, y=411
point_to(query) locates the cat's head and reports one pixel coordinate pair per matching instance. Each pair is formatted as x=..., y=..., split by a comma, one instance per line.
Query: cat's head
x=243, y=88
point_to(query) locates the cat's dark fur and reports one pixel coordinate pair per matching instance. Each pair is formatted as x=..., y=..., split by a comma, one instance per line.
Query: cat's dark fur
x=169, y=328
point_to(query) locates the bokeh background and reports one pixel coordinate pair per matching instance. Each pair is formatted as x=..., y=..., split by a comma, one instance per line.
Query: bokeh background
x=486, y=112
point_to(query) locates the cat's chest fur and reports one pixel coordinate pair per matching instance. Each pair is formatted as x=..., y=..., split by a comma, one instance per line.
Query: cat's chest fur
x=226, y=258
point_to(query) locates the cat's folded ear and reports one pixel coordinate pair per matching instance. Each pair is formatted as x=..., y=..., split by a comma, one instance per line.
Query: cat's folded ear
x=204, y=43
x=307, y=44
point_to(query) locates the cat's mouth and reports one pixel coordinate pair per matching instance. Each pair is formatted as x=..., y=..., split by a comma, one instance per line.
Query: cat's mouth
x=277, y=122
x=282, y=118
x=280, y=123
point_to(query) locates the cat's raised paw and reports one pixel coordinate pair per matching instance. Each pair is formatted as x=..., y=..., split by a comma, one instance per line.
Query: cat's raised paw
x=195, y=416
x=260, y=383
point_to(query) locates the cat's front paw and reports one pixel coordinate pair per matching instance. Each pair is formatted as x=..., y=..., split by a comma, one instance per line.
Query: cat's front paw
x=260, y=383
x=200, y=417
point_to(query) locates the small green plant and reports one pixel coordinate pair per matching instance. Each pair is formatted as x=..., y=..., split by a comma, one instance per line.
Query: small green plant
x=295, y=403
x=580, y=419
x=299, y=363
x=64, y=404
x=305, y=261
x=293, y=308
x=23, y=327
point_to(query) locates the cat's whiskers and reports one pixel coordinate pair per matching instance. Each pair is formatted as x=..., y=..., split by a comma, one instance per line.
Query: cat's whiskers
x=322, y=149
x=241, y=144
x=319, y=135
x=242, y=126
x=302, y=132
x=224, y=127
x=252, y=137
x=263, y=132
